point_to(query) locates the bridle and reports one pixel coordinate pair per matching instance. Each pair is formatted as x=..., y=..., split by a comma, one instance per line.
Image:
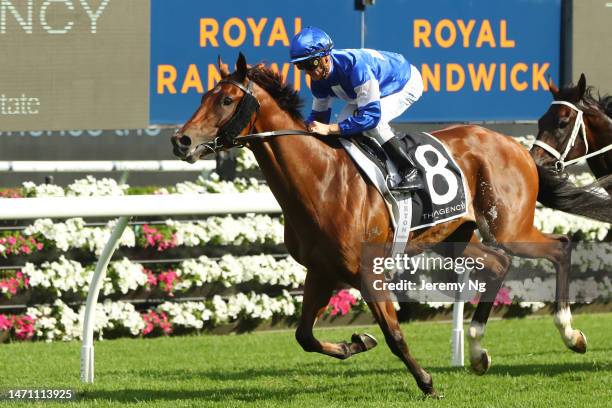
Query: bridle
x=579, y=127
x=227, y=135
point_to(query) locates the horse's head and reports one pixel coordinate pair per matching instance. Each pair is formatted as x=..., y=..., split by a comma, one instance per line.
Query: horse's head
x=562, y=130
x=224, y=113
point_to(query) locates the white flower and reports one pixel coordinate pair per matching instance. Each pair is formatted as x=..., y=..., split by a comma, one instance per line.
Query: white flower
x=533, y=306
x=63, y=276
x=90, y=186
x=124, y=276
x=246, y=160
x=213, y=184
x=44, y=190
x=187, y=314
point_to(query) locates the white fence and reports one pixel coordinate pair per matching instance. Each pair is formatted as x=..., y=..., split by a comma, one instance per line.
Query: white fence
x=125, y=207
x=104, y=166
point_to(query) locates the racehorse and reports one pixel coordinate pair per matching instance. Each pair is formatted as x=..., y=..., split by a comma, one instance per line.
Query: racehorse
x=575, y=127
x=330, y=209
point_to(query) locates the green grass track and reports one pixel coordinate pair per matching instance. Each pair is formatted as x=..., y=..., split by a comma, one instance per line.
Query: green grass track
x=531, y=368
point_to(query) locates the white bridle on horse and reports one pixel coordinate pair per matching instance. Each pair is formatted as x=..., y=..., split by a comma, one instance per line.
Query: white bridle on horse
x=578, y=127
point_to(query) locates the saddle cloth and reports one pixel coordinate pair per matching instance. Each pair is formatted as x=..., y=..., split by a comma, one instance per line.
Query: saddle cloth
x=444, y=197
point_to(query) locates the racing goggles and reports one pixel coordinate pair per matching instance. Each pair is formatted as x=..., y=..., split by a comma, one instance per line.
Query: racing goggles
x=308, y=65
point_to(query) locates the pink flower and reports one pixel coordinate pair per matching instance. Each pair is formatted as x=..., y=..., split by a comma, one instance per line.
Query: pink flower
x=5, y=322
x=24, y=327
x=151, y=279
x=341, y=302
x=167, y=280
x=153, y=320
x=9, y=285
x=150, y=318
x=23, y=279
x=39, y=246
x=13, y=285
x=149, y=326
x=165, y=324
x=503, y=297
x=155, y=238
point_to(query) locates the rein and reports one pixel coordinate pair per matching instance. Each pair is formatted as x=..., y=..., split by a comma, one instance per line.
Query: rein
x=579, y=127
x=265, y=135
x=228, y=133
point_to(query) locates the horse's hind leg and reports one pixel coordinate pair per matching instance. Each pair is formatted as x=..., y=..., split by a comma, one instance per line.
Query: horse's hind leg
x=557, y=249
x=385, y=315
x=317, y=292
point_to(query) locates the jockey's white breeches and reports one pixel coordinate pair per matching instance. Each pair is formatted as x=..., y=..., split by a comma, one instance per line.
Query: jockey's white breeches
x=391, y=106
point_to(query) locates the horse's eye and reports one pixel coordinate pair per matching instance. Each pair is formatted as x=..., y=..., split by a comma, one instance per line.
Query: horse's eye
x=227, y=101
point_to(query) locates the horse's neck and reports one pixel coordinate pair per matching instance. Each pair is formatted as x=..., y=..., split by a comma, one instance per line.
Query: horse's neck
x=600, y=136
x=601, y=133
x=298, y=169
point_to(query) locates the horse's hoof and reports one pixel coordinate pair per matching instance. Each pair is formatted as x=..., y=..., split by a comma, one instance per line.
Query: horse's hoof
x=345, y=351
x=433, y=395
x=481, y=364
x=580, y=342
x=367, y=341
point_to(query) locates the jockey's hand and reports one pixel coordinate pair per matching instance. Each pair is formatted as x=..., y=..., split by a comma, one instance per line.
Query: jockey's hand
x=323, y=129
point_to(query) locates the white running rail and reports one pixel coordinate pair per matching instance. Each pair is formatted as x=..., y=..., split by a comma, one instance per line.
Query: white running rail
x=104, y=166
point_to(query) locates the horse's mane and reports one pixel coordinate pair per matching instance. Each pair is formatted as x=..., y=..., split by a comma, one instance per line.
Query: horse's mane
x=604, y=103
x=285, y=96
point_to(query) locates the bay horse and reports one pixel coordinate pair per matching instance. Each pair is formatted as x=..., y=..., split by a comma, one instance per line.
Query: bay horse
x=330, y=209
x=575, y=126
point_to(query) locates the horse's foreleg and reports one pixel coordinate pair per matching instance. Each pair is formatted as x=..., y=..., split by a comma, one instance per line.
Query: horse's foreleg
x=496, y=265
x=316, y=298
x=385, y=315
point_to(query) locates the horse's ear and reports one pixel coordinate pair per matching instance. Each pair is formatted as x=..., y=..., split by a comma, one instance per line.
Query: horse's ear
x=241, y=67
x=552, y=87
x=223, y=68
x=581, y=86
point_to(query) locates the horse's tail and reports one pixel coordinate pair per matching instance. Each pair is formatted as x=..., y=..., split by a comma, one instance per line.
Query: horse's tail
x=558, y=193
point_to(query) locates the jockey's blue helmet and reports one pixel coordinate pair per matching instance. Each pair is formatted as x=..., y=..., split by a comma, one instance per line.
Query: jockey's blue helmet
x=311, y=42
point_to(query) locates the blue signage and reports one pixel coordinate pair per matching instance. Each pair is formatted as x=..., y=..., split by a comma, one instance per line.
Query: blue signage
x=480, y=59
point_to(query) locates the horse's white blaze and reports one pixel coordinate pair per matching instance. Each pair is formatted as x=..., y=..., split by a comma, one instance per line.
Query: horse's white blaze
x=563, y=321
x=474, y=335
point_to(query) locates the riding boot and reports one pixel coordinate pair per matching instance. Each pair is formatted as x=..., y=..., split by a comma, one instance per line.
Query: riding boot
x=411, y=177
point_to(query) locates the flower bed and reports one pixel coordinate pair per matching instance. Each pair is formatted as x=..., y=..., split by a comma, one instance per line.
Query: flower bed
x=207, y=292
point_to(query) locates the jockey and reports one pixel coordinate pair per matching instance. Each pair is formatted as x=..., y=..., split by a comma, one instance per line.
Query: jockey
x=377, y=86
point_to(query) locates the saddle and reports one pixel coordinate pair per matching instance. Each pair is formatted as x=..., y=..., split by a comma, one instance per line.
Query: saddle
x=444, y=195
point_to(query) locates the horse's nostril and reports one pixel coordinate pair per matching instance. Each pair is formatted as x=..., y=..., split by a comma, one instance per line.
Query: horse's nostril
x=185, y=140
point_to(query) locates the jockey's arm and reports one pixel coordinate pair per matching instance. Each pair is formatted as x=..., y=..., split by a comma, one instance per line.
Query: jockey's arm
x=321, y=105
x=367, y=91
x=318, y=120
x=321, y=110
x=366, y=116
